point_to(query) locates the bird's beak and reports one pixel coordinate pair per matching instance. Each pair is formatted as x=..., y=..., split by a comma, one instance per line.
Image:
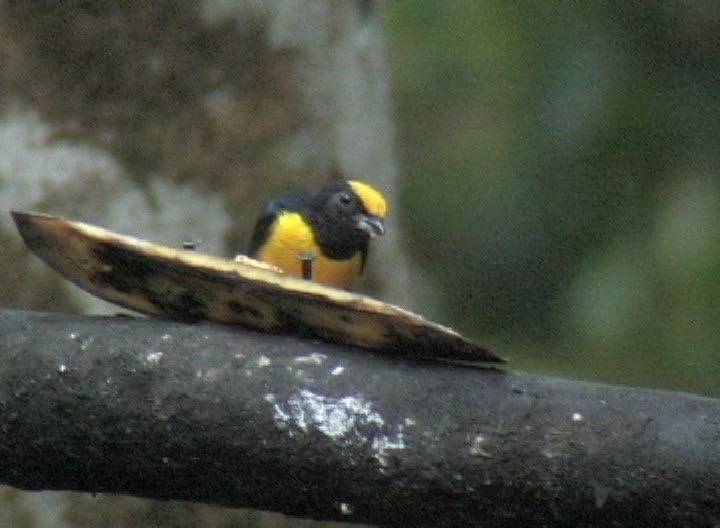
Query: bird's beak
x=372, y=225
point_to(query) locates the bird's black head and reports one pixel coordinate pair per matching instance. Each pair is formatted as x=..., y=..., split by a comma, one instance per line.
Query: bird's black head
x=346, y=214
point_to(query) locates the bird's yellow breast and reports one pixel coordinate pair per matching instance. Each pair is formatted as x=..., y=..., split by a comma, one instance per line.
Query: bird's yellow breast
x=290, y=237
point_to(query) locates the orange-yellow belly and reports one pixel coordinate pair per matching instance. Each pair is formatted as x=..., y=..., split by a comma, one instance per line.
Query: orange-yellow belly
x=290, y=237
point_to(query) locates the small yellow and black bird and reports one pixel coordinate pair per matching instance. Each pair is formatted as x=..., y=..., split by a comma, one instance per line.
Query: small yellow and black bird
x=322, y=234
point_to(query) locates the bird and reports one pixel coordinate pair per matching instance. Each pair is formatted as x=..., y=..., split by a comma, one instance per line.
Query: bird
x=320, y=234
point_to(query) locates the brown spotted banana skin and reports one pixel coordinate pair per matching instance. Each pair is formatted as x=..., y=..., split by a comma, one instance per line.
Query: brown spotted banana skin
x=181, y=284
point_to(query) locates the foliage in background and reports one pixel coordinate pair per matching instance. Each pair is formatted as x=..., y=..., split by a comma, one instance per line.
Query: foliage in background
x=561, y=183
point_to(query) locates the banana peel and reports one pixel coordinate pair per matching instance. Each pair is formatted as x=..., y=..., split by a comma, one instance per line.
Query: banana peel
x=187, y=285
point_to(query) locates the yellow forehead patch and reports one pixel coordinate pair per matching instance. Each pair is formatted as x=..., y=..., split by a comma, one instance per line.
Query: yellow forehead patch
x=372, y=199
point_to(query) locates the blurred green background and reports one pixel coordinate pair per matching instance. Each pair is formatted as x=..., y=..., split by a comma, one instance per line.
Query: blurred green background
x=560, y=184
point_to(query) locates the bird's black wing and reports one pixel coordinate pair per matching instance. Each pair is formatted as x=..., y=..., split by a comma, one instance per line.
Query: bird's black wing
x=294, y=201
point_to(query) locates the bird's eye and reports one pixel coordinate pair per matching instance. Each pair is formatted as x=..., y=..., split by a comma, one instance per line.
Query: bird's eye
x=344, y=198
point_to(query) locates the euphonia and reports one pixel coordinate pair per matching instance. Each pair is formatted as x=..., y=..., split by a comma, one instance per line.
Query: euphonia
x=322, y=234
